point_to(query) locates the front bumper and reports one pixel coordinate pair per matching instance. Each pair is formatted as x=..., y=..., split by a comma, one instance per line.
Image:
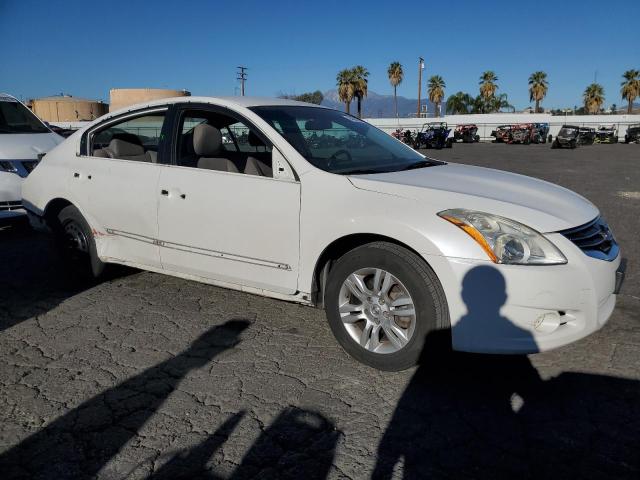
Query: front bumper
x=527, y=309
x=10, y=195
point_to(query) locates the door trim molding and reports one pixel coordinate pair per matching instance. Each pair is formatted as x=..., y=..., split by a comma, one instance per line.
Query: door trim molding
x=201, y=251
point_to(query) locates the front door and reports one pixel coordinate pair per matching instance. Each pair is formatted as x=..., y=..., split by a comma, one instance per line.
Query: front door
x=218, y=222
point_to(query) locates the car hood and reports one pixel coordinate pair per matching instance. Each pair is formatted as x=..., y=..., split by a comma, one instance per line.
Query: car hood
x=538, y=204
x=26, y=146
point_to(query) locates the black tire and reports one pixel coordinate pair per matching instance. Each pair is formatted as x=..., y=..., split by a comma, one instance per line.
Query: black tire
x=573, y=144
x=476, y=138
x=432, y=314
x=77, y=245
x=554, y=144
x=449, y=143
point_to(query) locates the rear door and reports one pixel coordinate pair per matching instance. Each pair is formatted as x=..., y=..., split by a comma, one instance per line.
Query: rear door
x=116, y=184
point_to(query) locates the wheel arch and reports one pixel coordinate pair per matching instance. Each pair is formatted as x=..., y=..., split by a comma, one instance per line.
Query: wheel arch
x=337, y=249
x=53, y=208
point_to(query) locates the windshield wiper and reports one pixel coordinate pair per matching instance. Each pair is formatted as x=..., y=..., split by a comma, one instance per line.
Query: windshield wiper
x=361, y=171
x=422, y=164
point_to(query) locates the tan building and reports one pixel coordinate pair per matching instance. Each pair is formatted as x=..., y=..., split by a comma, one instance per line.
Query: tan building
x=123, y=97
x=65, y=108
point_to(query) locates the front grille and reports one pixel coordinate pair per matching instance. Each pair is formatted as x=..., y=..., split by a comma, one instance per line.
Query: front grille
x=594, y=239
x=14, y=205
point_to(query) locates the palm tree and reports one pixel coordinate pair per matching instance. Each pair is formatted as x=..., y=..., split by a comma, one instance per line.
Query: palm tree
x=488, y=85
x=344, y=82
x=395, y=78
x=593, y=98
x=630, y=87
x=459, y=102
x=436, y=88
x=360, y=85
x=538, y=87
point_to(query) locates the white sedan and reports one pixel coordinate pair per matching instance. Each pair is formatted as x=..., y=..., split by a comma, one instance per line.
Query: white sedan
x=308, y=204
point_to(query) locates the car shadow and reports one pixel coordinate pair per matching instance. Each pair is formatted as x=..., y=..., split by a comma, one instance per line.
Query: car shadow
x=493, y=416
x=81, y=442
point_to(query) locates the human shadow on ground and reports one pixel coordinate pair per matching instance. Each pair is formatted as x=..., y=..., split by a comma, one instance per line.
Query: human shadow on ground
x=493, y=416
x=81, y=442
x=298, y=444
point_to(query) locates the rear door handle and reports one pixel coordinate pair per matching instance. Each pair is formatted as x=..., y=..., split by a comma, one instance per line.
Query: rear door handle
x=76, y=175
x=164, y=192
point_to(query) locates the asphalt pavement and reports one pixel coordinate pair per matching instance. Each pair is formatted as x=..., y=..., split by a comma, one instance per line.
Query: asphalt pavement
x=149, y=376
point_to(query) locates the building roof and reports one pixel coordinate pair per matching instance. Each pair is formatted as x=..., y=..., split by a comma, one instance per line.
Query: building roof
x=65, y=98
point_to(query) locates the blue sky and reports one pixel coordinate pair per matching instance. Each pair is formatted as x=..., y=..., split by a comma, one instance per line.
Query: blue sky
x=84, y=48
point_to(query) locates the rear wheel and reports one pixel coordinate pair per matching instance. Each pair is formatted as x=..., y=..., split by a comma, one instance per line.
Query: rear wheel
x=77, y=244
x=382, y=302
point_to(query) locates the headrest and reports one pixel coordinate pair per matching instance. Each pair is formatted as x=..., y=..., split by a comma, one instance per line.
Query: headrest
x=206, y=140
x=122, y=148
x=254, y=140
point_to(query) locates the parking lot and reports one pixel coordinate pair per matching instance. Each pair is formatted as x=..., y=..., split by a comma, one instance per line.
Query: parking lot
x=149, y=376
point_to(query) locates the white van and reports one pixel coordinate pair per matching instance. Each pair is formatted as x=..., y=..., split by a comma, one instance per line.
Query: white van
x=23, y=140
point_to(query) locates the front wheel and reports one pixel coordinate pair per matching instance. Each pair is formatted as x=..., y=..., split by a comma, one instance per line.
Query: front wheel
x=382, y=302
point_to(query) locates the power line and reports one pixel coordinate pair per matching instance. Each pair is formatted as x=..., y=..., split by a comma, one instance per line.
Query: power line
x=242, y=76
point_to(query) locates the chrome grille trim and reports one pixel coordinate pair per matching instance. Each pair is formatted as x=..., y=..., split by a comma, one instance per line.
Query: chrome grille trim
x=594, y=238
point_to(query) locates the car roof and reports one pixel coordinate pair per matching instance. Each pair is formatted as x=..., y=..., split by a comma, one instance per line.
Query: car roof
x=223, y=101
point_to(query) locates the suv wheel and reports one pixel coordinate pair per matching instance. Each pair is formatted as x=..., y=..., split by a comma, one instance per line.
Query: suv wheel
x=382, y=301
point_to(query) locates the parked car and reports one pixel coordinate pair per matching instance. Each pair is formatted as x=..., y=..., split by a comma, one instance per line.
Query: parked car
x=606, y=134
x=23, y=137
x=433, y=135
x=501, y=134
x=399, y=249
x=468, y=133
x=586, y=135
x=567, y=137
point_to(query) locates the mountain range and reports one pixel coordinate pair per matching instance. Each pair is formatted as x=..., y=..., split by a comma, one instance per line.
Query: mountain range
x=375, y=105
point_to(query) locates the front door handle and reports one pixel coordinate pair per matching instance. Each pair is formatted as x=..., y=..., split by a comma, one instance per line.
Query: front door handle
x=164, y=192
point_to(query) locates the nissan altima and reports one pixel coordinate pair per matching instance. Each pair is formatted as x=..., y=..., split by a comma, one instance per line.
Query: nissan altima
x=308, y=204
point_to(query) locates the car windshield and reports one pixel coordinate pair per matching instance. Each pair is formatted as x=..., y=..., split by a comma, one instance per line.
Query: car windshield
x=16, y=118
x=340, y=143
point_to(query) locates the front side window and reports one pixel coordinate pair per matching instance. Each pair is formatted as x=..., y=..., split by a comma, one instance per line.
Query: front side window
x=136, y=138
x=16, y=118
x=339, y=143
x=214, y=141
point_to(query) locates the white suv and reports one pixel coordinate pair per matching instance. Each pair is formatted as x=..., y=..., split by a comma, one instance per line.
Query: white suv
x=23, y=137
x=309, y=204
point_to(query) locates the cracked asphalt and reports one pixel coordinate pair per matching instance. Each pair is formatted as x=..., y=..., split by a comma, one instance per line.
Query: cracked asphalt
x=148, y=376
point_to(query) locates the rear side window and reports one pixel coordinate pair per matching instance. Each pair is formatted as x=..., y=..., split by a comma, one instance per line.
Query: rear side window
x=136, y=138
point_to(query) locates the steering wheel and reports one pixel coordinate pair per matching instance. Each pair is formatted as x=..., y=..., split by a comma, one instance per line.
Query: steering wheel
x=338, y=153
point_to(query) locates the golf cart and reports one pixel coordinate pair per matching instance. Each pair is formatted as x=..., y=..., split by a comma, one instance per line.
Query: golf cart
x=633, y=134
x=468, y=133
x=586, y=135
x=520, y=133
x=606, y=134
x=433, y=135
x=567, y=137
x=501, y=134
x=540, y=132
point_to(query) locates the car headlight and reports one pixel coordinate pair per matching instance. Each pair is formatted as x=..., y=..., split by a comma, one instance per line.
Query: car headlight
x=504, y=240
x=7, y=166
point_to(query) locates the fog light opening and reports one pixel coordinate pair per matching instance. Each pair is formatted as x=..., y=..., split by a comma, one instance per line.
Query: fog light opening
x=548, y=322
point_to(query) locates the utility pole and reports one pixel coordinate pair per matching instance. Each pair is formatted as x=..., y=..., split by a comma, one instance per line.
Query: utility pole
x=420, y=67
x=242, y=76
